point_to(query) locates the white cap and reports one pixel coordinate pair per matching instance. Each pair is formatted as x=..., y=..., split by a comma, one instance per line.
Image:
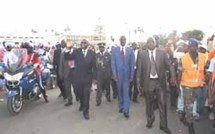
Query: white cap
x=203, y=46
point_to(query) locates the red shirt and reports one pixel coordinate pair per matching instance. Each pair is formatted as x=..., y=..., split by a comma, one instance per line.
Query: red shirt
x=34, y=59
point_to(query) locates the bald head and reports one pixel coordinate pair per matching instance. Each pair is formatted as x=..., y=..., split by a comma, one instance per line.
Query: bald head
x=151, y=43
x=122, y=40
x=84, y=44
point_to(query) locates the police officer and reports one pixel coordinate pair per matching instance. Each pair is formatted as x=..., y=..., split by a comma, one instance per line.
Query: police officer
x=103, y=64
x=191, y=78
x=35, y=60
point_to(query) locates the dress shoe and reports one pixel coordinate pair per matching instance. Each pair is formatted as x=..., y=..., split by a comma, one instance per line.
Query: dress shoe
x=98, y=104
x=86, y=116
x=135, y=101
x=121, y=110
x=108, y=99
x=80, y=108
x=165, y=130
x=126, y=115
x=149, y=125
x=68, y=104
x=46, y=98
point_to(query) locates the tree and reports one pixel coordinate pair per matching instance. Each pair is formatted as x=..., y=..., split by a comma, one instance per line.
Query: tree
x=197, y=34
x=163, y=39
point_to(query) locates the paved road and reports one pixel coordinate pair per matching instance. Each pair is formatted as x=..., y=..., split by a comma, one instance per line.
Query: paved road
x=54, y=118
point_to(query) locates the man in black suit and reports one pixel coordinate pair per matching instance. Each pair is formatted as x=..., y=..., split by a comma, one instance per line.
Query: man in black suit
x=85, y=72
x=56, y=64
x=66, y=72
x=151, y=77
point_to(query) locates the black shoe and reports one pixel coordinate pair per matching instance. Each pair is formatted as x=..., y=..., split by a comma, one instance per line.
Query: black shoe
x=191, y=128
x=80, y=108
x=98, y=104
x=135, y=101
x=149, y=125
x=165, y=130
x=68, y=104
x=121, y=110
x=114, y=96
x=46, y=98
x=108, y=99
x=126, y=115
x=86, y=116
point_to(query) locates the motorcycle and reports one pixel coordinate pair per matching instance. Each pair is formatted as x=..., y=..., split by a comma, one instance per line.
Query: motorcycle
x=48, y=72
x=21, y=83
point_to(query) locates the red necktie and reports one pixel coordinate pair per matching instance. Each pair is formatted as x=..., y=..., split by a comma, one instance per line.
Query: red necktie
x=122, y=53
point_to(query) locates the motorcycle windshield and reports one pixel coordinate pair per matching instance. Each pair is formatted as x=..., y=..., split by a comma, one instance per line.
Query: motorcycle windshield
x=15, y=60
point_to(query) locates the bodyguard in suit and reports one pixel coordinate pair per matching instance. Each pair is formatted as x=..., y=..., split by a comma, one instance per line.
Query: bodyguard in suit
x=66, y=71
x=151, y=77
x=85, y=72
x=56, y=64
x=122, y=63
x=103, y=65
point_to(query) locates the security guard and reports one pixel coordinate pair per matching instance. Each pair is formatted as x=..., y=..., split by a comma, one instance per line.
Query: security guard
x=103, y=64
x=191, y=77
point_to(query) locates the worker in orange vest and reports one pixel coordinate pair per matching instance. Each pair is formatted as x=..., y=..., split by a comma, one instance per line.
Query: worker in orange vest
x=191, y=78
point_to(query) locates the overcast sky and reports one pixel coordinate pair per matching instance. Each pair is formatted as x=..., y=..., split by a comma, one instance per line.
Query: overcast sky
x=118, y=16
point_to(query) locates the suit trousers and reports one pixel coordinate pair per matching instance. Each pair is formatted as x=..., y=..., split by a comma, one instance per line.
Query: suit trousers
x=123, y=95
x=84, y=95
x=68, y=83
x=156, y=95
x=133, y=85
x=103, y=84
x=61, y=86
x=114, y=88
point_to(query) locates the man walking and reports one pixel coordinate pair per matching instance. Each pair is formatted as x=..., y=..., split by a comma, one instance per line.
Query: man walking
x=151, y=77
x=122, y=62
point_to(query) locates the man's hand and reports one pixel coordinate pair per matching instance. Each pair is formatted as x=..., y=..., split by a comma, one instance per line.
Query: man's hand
x=140, y=91
x=115, y=78
x=173, y=81
x=131, y=79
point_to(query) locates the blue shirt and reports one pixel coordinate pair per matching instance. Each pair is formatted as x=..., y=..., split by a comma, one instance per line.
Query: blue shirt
x=211, y=66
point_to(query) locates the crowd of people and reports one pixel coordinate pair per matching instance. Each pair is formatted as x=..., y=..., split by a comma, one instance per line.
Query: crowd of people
x=133, y=71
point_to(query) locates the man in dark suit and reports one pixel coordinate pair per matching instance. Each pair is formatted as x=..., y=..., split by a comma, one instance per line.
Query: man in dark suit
x=85, y=72
x=56, y=64
x=151, y=77
x=103, y=65
x=66, y=72
x=122, y=64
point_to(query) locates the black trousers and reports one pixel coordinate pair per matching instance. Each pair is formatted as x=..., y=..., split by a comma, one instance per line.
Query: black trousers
x=69, y=83
x=114, y=87
x=156, y=95
x=133, y=90
x=84, y=95
x=60, y=84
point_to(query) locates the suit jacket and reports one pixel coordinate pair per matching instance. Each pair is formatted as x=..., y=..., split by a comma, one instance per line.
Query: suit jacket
x=56, y=58
x=162, y=65
x=103, y=65
x=123, y=69
x=85, y=67
x=64, y=68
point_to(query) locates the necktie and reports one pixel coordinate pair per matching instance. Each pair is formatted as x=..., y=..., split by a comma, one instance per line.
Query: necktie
x=153, y=71
x=84, y=53
x=122, y=53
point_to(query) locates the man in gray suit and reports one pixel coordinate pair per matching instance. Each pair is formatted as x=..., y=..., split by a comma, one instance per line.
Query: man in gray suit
x=151, y=77
x=103, y=65
x=66, y=71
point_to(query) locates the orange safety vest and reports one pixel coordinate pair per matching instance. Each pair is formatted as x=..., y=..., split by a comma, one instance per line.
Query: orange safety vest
x=193, y=75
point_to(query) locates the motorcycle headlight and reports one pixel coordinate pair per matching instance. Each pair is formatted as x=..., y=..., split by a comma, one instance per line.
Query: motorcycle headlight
x=13, y=77
x=30, y=73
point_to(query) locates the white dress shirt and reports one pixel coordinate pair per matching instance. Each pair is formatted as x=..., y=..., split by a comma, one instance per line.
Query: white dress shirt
x=154, y=55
